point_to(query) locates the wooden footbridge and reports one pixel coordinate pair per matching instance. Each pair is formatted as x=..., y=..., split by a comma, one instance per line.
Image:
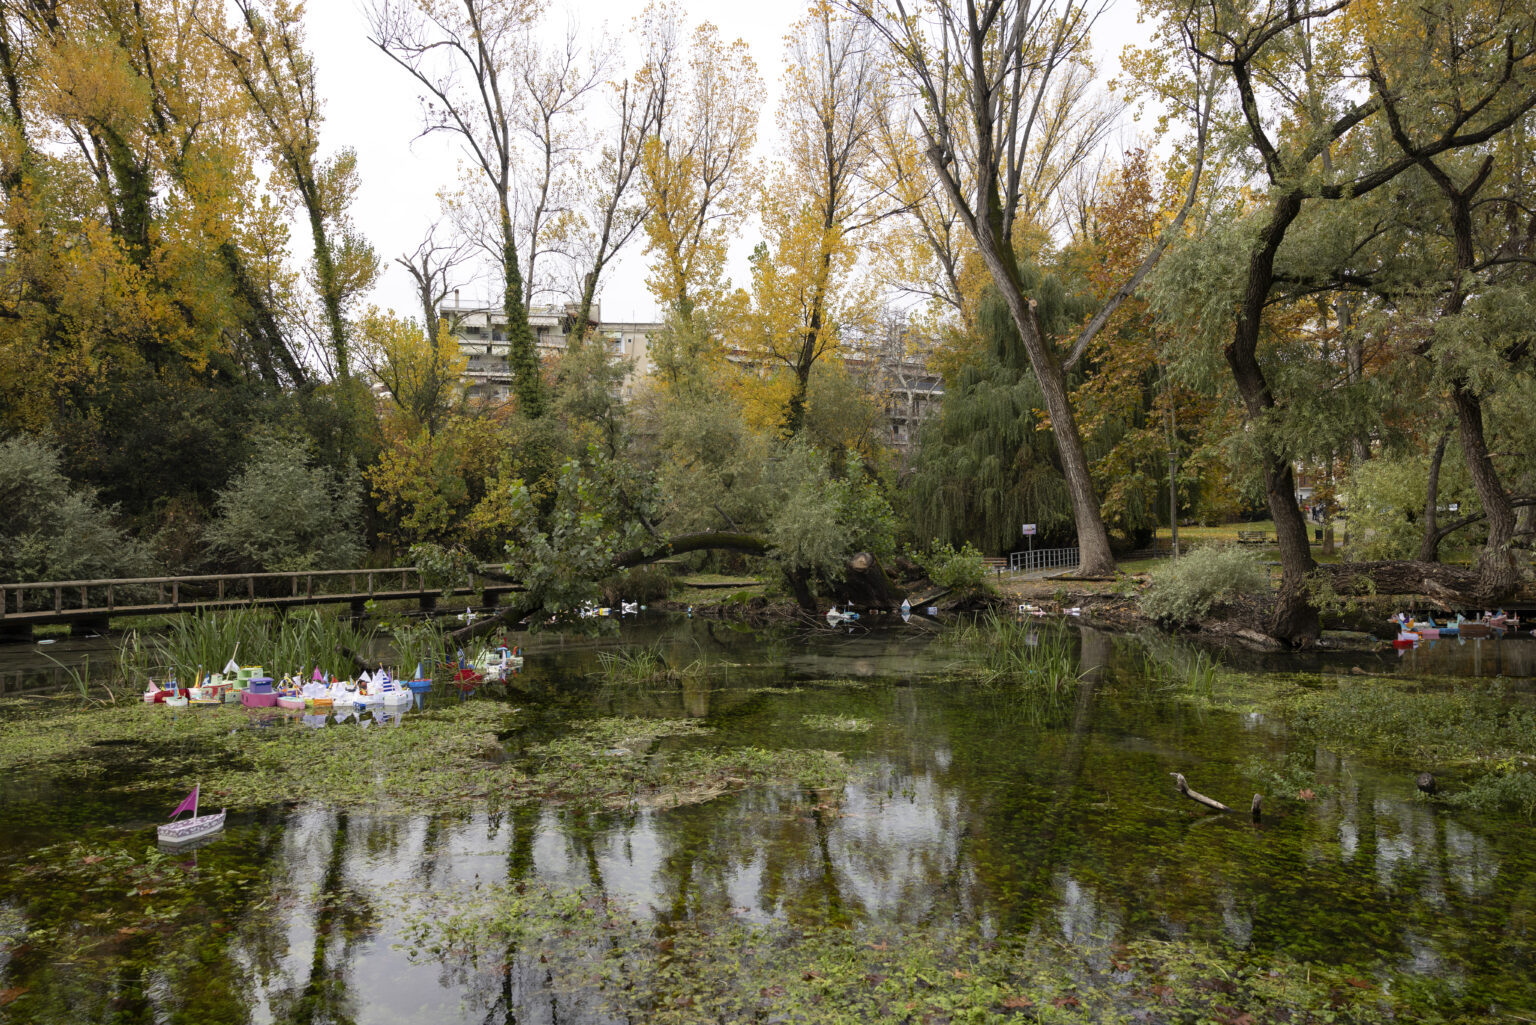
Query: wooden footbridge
x=87, y=605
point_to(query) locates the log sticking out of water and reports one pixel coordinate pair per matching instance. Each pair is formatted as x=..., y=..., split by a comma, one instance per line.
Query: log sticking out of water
x=1183, y=788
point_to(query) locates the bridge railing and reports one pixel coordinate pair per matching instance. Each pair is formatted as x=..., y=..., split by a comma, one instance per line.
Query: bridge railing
x=126, y=594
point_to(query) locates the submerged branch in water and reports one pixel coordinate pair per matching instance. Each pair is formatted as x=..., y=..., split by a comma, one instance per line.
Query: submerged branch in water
x=1183, y=788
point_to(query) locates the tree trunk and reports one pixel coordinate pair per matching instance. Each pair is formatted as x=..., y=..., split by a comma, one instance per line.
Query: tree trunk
x=1173, y=477
x=1328, y=511
x=523, y=356
x=1497, y=574
x=866, y=585
x=1354, y=355
x=325, y=270
x=1452, y=585
x=810, y=343
x=1429, y=547
x=802, y=592
x=1295, y=618
x=1092, y=539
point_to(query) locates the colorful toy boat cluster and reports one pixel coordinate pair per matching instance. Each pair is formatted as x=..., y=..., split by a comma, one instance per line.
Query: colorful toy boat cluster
x=1411, y=630
x=253, y=688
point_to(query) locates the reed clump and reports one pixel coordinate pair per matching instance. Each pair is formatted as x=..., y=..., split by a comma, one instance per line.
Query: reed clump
x=645, y=665
x=295, y=642
x=424, y=643
x=1018, y=654
x=1193, y=673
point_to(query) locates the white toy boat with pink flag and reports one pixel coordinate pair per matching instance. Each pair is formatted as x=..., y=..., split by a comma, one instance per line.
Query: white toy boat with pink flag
x=195, y=828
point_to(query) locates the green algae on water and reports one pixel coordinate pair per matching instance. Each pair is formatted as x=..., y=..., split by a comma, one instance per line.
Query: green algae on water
x=243, y=759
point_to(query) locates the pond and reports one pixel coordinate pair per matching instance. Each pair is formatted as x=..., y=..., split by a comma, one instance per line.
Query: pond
x=965, y=854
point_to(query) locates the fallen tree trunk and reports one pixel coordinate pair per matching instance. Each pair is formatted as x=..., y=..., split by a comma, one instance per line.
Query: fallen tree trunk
x=1453, y=585
x=510, y=616
x=1183, y=788
x=865, y=582
x=708, y=540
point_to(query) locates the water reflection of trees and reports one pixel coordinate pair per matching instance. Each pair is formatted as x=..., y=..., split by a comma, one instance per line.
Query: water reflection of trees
x=1066, y=828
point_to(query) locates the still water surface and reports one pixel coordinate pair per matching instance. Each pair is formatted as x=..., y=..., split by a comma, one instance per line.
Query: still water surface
x=965, y=809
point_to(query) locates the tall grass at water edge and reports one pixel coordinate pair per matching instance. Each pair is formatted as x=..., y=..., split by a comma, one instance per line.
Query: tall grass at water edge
x=1192, y=672
x=1010, y=653
x=297, y=642
x=423, y=643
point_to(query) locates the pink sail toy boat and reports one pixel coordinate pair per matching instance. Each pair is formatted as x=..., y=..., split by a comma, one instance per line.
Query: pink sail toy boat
x=195, y=828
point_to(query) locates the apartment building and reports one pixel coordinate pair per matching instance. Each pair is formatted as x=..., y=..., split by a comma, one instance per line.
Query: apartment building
x=482, y=335
x=888, y=358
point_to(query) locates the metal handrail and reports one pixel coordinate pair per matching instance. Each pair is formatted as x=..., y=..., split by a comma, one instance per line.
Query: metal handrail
x=1043, y=558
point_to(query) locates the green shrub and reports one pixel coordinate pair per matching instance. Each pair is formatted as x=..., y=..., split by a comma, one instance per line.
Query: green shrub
x=284, y=513
x=1187, y=588
x=960, y=571
x=52, y=530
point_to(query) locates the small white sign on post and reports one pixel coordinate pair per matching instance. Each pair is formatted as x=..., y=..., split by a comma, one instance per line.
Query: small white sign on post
x=1029, y=530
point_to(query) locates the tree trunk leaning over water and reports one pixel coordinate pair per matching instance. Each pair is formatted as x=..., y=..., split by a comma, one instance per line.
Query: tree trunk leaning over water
x=1295, y=618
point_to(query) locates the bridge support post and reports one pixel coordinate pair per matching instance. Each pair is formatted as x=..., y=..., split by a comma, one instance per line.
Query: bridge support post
x=359, y=609
x=15, y=633
x=490, y=599
x=89, y=626
x=427, y=602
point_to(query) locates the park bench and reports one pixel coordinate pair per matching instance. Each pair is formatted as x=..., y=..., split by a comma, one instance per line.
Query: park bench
x=1252, y=537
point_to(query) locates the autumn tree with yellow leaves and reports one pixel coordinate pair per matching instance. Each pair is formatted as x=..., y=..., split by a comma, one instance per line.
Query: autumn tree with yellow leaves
x=697, y=170
x=817, y=201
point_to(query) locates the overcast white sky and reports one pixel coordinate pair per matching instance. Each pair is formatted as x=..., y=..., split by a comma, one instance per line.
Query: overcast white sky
x=371, y=105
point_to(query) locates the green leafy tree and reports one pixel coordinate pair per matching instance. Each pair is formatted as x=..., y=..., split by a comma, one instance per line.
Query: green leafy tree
x=561, y=556
x=986, y=465
x=283, y=512
x=51, y=528
x=1387, y=497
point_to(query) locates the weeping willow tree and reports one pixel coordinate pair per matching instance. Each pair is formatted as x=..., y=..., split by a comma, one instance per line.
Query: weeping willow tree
x=985, y=465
